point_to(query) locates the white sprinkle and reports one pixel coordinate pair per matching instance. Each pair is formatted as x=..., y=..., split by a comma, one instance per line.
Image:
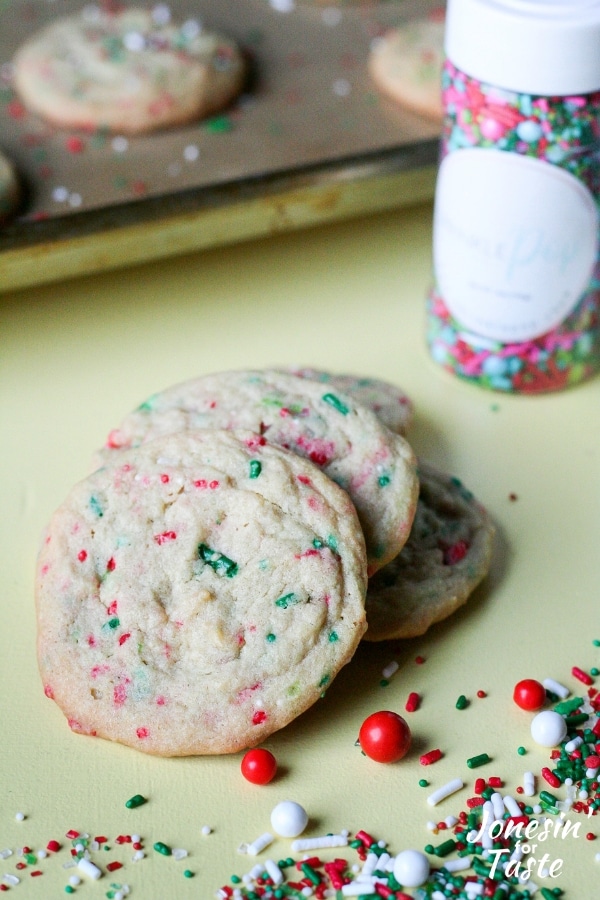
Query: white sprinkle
x=282, y=6
x=20, y=817
x=512, y=806
x=11, y=879
x=342, y=87
x=191, y=153
x=94, y=845
x=4, y=854
x=135, y=838
x=437, y=895
x=139, y=854
x=191, y=29
x=259, y=844
x=597, y=857
x=370, y=864
x=161, y=14
x=391, y=669
x=179, y=853
x=174, y=169
x=383, y=861
x=119, y=143
x=274, y=872
x=134, y=41
x=74, y=880
x=537, y=809
x=318, y=843
x=255, y=871
x=432, y=826
x=445, y=791
x=556, y=688
x=88, y=868
x=206, y=829
x=75, y=200
x=331, y=16
x=497, y=804
x=450, y=821
x=358, y=889
x=591, y=773
x=41, y=854
x=60, y=194
x=583, y=795
x=574, y=744
x=458, y=864
x=529, y=784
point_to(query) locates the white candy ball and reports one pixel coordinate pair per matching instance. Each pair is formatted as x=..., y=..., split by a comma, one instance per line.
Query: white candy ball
x=548, y=728
x=411, y=868
x=289, y=819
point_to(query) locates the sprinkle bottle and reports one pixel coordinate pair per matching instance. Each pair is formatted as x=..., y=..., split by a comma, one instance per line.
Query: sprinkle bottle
x=515, y=304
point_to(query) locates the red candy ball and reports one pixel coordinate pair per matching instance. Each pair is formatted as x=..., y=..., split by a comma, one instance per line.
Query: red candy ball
x=384, y=736
x=529, y=694
x=259, y=766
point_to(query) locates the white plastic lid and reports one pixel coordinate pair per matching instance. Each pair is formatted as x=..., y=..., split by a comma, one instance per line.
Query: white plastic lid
x=546, y=47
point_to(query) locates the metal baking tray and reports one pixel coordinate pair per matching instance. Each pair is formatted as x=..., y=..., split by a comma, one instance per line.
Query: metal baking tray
x=310, y=140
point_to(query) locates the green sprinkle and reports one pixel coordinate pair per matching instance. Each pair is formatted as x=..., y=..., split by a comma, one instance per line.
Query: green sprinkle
x=462, y=702
x=445, y=848
x=135, y=801
x=429, y=848
x=188, y=874
x=568, y=706
x=336, y=403
x=475, y=761
x=594, y=671
x=112, y=624
x=310, y=873
x=69, y=889
x=521, y=751
x=384, y=682
x=271, y=637
x=383, y=480
x=235, y=879
x=95, y=507
x=162, y=848
x=333, y=637
x=220, y=563
x=324, y=680
x=286, y=600
x=596, y=642
x=549, y=798
x=423, y=782
x=218, y=125
x=255, y=468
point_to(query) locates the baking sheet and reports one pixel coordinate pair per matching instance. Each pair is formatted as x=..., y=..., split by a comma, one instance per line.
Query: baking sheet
x=310, y=116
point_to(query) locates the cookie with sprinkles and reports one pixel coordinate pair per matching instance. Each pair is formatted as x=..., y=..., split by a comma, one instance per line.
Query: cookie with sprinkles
x=406, y=64
x=9, y=189
x=198, y=593
x=345, y=439
x=388, y=401
x=128, y=71
x=448, y=553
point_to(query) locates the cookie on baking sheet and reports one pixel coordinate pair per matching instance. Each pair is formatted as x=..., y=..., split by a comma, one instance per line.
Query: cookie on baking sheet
x=10, y=192
x=345, y=439
x=198, y=594
x=390, y=404
x=448, y=553
x=406, y=65
x=128, y=71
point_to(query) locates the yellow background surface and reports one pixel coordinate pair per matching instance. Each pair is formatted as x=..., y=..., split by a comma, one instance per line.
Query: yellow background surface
x=349, y=297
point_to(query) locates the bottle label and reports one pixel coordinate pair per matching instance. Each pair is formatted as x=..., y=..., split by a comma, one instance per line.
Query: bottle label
x=515, y=242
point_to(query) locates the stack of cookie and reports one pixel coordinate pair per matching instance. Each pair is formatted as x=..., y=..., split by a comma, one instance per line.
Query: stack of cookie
x=244, y=531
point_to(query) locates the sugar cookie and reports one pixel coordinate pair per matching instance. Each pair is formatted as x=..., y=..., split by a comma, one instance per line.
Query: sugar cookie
x=129, y=71
x=198, y=593
x=406, y=65
x=346, y=440
x=448, y=553
x=9, y=188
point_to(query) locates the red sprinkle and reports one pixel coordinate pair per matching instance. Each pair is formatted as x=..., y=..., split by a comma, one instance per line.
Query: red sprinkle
x=113, y=866
x=53, y=846
x=71, y=834
x=590, y=836
x=413, y=702
x=581, y=675
x=165, y=536
x=431, y=757
x=592, y=762
x=35, y=873
x=479, y=786
x=259, y=717
x=419, y=660
x=365, y=837
x=550, y=777
x=82, y=555
x=475, y=801
x=495, y=782
x=481, y=694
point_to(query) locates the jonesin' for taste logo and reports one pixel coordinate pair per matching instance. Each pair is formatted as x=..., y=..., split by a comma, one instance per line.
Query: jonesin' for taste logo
x=529, y=856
